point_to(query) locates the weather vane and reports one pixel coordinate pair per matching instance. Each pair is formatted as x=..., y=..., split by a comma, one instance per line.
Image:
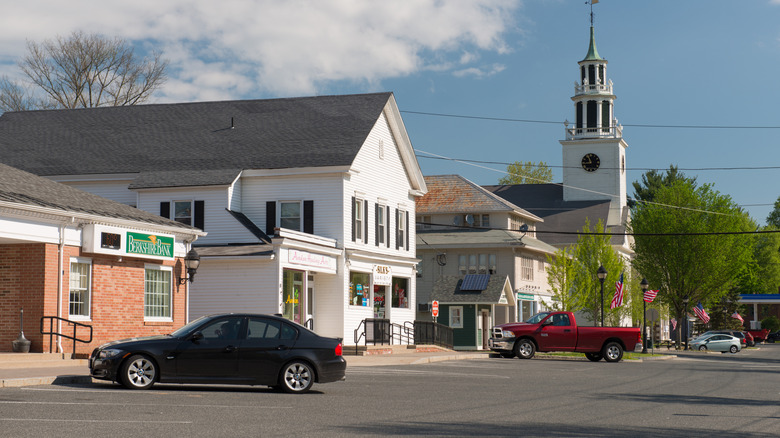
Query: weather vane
x=591, y=3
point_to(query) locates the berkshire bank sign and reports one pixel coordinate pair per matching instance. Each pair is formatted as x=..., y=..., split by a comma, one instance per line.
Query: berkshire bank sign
x=149, y=245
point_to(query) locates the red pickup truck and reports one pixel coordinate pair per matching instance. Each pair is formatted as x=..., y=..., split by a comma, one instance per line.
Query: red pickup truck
x=558, y=331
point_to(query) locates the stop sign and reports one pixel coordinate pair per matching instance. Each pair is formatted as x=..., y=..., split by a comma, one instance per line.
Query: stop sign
x=435, y=308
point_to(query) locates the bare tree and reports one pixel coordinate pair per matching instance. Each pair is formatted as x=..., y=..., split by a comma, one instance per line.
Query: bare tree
x=83, y=71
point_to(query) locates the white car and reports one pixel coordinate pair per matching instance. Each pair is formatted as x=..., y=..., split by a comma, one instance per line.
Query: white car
x=717, y=342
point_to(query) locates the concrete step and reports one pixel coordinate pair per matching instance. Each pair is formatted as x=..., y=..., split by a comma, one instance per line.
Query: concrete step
x=39, y=360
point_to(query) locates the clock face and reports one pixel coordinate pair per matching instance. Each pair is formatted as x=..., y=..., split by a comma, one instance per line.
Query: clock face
x=591, y=162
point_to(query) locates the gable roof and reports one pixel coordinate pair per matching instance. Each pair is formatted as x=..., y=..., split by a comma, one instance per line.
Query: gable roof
x=546, y=201
x=174, y=144
x=27, y=190
x=447, y=289
x=456, y=194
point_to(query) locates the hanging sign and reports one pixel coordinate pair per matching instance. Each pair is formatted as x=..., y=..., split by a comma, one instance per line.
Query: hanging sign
x=383, y=275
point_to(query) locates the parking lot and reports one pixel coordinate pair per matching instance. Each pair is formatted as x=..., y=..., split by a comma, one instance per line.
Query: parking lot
x=695, y=394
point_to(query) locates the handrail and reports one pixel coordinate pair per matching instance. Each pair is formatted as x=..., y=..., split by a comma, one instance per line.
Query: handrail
x=75, y=325
x=405, y=333
x=309, y=324
x=362, y=334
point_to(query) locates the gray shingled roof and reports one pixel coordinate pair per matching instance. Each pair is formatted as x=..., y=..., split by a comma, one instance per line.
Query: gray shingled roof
x=447, y=290
x=546, y=201
x=176, y=143
x=24, y=188
x=475, y=238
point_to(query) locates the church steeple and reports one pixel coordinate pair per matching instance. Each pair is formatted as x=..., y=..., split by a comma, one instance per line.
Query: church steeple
x=593, y=53
x=593, y=98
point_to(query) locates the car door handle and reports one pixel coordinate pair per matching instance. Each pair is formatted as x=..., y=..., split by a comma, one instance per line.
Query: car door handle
x=281, y=347
x=567, y=331
x=230, y=348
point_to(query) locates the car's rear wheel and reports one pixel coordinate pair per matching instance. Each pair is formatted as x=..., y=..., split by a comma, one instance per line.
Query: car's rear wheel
x=525, y=349
x=733, y=349
x=612, y=352
x=138, y=372
x=703, y=348
x=594, y=357
x=297, y=377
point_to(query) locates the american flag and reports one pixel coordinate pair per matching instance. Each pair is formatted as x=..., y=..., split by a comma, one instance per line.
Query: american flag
x=650, y=295
x=674, y=324
x=617, y=300
x=701, y=313
x=736, y=315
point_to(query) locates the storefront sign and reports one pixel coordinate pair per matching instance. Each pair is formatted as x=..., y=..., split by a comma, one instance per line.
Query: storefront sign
x=525, y=297
x=383, y=275
x=150, y=245
x=310, y=259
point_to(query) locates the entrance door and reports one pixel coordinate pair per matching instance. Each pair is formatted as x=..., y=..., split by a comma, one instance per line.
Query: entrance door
x=485, y=323
x=380, y=293
x=292, y=296
x=309, y=320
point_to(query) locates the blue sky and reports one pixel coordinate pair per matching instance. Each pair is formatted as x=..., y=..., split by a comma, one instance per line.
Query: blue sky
x=710, y=63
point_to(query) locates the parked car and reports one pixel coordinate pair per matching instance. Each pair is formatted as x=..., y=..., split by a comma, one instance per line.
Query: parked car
x=244, y=349
x=773, y=337
x=716, y=342
x=746, y=339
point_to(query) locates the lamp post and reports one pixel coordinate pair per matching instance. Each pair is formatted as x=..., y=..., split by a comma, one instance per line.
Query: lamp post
x=602, y=274
x=685, y=318
x=644, y=285
x=191, y=262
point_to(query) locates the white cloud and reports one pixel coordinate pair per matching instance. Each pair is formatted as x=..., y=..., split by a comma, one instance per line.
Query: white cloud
x=240, y=48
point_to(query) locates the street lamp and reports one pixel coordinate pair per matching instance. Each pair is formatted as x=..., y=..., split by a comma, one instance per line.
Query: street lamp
x=191, y=262
x=644, y=285
x=602, y=274
x=685, y=318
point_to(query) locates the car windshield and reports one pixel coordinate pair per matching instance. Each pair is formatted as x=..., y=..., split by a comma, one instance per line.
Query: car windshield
x=185, y=329
x=536, y=318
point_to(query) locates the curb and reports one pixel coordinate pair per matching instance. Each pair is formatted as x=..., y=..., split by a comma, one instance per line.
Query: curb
x=48, y=380
x=433, y=359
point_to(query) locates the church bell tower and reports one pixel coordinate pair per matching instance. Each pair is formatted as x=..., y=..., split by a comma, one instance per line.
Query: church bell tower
x=594, y=152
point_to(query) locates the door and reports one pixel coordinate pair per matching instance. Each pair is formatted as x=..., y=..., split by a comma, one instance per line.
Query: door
x=267, y=345
x=215, y=354
x=309, y=320
x=292, y=296
x=557, y=333
x=380, y=295
x=485, y=326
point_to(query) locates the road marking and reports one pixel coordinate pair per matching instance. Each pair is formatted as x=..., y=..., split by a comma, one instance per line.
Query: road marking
x=94, y=421
x=12, y=402
x=421, y=373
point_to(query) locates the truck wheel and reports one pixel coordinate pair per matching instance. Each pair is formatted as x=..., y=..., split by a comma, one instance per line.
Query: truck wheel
x=594, y=357
x=525, y=349
x=508, y=355
x=612, y=352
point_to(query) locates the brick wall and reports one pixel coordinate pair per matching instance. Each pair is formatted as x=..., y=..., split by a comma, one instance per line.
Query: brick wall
x=28, y=278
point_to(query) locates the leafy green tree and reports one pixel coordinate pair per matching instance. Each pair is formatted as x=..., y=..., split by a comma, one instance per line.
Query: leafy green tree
x=770, y=323
x=591, y=251
x=721, y=311
x=527, y=173
x=674, y=251
x=561, y=273
x=773, y=219
x=762, y=273
x=653, y=180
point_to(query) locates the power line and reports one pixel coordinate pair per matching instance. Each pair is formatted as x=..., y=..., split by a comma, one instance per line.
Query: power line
x=505, y=119
x=580, y=233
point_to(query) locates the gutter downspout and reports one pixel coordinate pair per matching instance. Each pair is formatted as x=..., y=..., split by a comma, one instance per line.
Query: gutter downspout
x=60, y=273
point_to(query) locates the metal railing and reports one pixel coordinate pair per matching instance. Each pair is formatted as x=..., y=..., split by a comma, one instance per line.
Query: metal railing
x=404, y=334
x=615, y=131
x=53, y=333
x=309, y=324
x=428, y=332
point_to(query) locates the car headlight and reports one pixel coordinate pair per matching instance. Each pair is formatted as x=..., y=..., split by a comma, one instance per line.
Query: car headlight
x=507, y=334
x=108, y=353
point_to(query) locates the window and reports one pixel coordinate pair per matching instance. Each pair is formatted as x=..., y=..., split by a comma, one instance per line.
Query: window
x=157, y=293
x=456, y=316
x=462, y=264
x=424, y=222
x=290, y=215
x=182, y=212
x=491, y=264
x=381, y=225
x=359, y=220
x=486, y=220
x=401, y=218
x=359, y=284
x=541, y=265
x=80, y=288
x=483, y=267
x=472, y=263
x=401, y=292
x=526, y=268
x=226, y=329
x=260, y=328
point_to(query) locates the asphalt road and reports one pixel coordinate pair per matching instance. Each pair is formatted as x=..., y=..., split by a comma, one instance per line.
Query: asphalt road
x=720, y=395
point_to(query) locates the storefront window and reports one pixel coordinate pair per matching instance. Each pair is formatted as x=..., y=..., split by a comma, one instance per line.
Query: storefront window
x=400, y=292
x=359, y=292
x=292, y=286
x=379, y=301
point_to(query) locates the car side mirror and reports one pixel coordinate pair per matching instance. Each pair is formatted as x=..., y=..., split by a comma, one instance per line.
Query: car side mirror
x=197, y=336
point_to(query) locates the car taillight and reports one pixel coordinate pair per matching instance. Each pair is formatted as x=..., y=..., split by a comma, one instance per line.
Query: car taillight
x=338, y=350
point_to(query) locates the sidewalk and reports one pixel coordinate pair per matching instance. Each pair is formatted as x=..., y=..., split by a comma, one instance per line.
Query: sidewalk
x=27, y=369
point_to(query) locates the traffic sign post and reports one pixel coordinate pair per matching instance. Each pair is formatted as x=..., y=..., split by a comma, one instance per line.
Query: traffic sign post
x=435, y=310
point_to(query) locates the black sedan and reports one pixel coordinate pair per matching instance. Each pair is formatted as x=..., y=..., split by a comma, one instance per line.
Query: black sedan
x=243, y=349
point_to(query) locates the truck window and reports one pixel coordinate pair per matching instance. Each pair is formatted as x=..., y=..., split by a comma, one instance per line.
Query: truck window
x=537, y=318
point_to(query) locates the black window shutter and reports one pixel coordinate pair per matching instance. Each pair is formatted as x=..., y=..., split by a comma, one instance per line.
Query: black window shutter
x=365, y=221
x=397, y=231
x=199, y=214
x=165, y=209
x=376, y=223
x=270, y=217
x=387, y=225
x=406, y=213
x=353, y=218
x=308, y=217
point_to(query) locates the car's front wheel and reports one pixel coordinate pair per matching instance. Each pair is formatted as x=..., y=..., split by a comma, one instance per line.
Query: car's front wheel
x=508, y=354
x=733, y=349
x=297, y=377
x=138, y=372
x=525, y=349
x=703, y=348
x=594, y=357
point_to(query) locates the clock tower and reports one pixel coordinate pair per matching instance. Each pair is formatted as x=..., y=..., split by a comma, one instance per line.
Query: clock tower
x=594, y=152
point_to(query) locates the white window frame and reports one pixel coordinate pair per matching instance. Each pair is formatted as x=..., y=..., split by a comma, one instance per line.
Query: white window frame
x=81, y=261
x=169, y=270
x=381, y=223
x=486, y=221
x=526, y=268
x=191, y=217
x=492, y=264
x=401, y=235
x=359, y=220
x=456, y=316
x=299, y=217
x=463, y=267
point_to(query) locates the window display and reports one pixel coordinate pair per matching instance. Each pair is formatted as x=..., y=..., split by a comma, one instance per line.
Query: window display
x=359, y=292
x=400, y=292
